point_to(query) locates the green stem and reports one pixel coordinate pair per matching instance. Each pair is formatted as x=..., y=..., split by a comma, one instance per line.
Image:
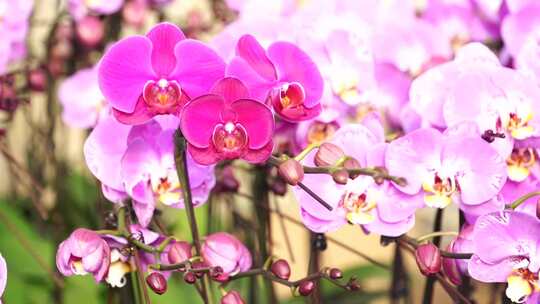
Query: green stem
x=306, y=151
x=522, y=199
x=135, y=286
x=183, y=177
x=436, y=234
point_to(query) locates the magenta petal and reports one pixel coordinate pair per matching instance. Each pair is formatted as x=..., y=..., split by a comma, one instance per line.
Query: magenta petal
x=259, y=87
x=203, y=156
x=294, y=65
x=257, y=119
x=230, y=89
x=392, y=229
x=124, y=70
x=139, y=116
x=198, y=67
x=299, y=114
x=253, y=53
x=164, y=37
x=260, y=155
x=321, y=225
x=93, y=260
x=138, y=162
x=199, y=118
x=62, y=263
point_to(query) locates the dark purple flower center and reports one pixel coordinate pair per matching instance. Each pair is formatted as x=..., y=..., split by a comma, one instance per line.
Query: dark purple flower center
x=162, y=96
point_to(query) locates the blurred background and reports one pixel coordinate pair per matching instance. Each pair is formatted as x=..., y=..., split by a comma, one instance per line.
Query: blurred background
x=46, y=191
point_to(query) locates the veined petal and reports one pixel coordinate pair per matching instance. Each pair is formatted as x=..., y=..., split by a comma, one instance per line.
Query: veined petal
x=230, y=89
x=198, y=67
x=124, y=70
x=257, y=119
x=199, y=118
x=164, y=37
x=254, y=54
x=294, y=65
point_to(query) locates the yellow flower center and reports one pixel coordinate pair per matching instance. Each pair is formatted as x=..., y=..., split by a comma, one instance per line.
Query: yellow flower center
x=77, y=268
x=318, y=132
x=518, y=126
x=345, y=85
x=519, y=164
x=521, y=284
x=358, y=208
x=439, y=192
x=167, y=188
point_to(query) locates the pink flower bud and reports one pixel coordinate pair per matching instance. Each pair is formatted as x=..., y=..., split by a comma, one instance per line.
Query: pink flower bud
x=179, y=252
x=428, y=258
x=90, y=31
x=291, y=171
x=335, y=274
x=450, y=267
x=328, y=154
x=538, y=209
x=281, y=269
x=351, y=163
x=190, y=277
x=224, y=250
x=341, y=177
x=157, y=282
x=306, y=287
x=278, y=186
x=232, y=297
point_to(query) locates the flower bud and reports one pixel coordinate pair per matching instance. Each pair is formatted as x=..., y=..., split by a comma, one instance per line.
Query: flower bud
x=179, y=252
x=281, y=269
x=538, y=209
x=428, y=258
x=221, y=278
x=190, y=277
x=157, y=282
x=198, y=265
x=90, y=31
x=335, y=274
x=232, y=297
x=319, y=242
x=341, y=177
x=328, y=154
x=353, y=284
x=37, y=80
x=291, y=171
x=450, y=267
x=226, y=181
x=306, y=287
x=225, y=250
x=352, y=163
x=216, y=271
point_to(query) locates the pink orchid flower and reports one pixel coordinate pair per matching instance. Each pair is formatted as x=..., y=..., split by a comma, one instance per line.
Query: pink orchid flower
x=283, y=74
x=226, y=124
x=145, y=76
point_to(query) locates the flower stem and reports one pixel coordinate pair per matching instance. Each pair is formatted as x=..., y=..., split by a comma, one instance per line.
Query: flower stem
x=522, y=199
x=435, y=234
x=306, y=151
x=183, y=177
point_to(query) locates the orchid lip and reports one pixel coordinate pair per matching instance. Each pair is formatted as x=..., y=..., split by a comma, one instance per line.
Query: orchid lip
x=229, y=138
x=162, y=96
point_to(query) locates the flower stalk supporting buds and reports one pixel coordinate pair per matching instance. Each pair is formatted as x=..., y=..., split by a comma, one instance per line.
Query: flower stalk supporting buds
x=181, y=168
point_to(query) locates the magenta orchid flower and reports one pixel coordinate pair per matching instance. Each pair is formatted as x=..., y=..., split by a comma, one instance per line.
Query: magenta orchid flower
x=443, y=167
x=376, y=208
x=283, y=74
x=227, y=124
x=3, y=276
x=139, y=161
x=82, y=102
x=505, y=249
x=225, y=250
x=145, y=76
x=84, y=252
